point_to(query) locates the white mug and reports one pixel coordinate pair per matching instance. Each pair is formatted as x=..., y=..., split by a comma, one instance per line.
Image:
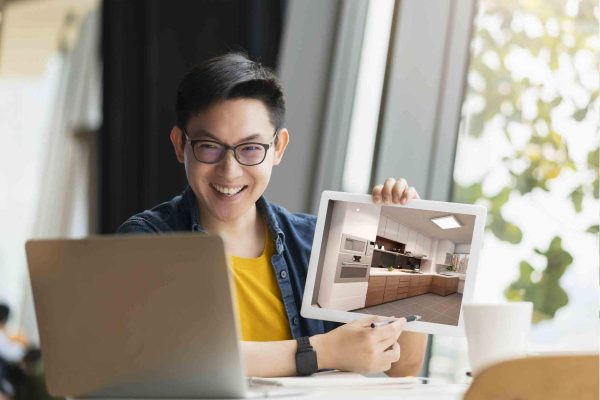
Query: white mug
x=496, y=332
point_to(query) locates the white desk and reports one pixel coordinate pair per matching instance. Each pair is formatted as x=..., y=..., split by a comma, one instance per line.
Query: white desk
x=420, y=392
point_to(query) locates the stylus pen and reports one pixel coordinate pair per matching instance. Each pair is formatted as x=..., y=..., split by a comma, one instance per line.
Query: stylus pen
x=409, y=318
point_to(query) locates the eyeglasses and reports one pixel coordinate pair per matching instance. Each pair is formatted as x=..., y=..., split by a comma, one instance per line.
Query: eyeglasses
x=211, y=151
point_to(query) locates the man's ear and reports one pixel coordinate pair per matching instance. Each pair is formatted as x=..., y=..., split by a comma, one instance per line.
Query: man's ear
x=283, y=138
x=178, y=143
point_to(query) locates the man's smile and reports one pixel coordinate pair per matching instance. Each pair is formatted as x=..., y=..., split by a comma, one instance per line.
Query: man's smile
x=227, y=191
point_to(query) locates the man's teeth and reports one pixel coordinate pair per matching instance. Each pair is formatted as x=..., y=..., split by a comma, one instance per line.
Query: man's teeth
x=226, y=190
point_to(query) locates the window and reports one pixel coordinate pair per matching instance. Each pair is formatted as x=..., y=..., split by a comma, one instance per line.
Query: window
x=528, y=150
x=365, y=111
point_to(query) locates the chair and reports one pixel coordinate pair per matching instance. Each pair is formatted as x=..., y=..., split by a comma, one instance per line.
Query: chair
x=538, y=377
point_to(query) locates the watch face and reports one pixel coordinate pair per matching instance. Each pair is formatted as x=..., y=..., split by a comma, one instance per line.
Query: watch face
x=306, y=362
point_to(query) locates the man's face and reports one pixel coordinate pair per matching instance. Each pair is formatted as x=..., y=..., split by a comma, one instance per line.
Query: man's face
x=227, y=190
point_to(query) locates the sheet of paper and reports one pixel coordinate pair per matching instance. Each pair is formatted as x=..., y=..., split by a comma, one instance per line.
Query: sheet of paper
x=335, y=379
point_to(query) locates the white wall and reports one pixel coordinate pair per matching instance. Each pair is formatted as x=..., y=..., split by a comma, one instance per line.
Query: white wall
x=345, y=219
x=463, y=248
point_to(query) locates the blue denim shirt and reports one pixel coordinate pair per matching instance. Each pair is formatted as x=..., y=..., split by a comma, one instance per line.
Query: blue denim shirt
x=292, y=232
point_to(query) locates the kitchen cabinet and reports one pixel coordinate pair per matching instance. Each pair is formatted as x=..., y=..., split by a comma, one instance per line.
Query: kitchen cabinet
x=427, y=246
x=384, y=289
x=402, y=233
x=423, y=284
x=417, y=243
x=411, y=242
x=391, y=229
x=391, y=288
x=444, y=286
x=402, y=291
x=452, y=285
x=413, y=285
x=381, y=226
x=375, y=290
x=438, y=285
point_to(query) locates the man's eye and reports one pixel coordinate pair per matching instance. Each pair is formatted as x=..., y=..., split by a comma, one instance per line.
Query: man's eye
x=251, y=147
x=207, y=145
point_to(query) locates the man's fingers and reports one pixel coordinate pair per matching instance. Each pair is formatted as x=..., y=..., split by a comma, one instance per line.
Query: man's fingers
x=390, y=331
x=410, y=193
x=394, y=192
x=376, y=193
x=366, y=322
x=398, y=190
x=386, y=193
x=392, y=355
x=386, y=344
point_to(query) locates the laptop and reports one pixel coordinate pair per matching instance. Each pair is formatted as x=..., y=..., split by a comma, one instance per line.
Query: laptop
x=138, y=316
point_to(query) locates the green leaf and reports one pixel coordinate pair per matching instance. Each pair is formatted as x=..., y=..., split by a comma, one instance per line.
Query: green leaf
x=595, y=229
x=546, y=294
x=593, y=159
x=580, y=114
x=577, y=198
x=504, y=230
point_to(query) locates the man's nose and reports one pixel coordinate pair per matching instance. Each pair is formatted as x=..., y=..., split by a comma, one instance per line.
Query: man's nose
x=228, y=166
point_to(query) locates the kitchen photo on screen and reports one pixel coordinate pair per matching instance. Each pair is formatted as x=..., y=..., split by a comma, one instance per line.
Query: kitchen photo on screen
x=393, y=261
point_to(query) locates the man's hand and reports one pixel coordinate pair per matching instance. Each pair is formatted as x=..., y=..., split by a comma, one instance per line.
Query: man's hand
x=357, y=347
x=394, y=191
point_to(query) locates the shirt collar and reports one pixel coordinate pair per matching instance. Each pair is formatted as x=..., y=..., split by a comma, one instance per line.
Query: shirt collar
x=264, y=209
x=189, y=199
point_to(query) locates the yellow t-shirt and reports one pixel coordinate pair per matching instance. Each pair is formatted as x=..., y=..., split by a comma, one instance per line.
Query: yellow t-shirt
x=260, y=308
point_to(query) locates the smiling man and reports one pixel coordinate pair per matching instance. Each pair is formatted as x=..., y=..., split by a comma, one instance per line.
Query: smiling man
x=229, y=135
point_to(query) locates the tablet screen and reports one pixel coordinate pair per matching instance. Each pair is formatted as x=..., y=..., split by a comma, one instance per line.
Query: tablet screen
x=393, y=260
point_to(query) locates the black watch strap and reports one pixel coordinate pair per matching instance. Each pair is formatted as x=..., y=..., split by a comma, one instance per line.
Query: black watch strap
x=306, y=357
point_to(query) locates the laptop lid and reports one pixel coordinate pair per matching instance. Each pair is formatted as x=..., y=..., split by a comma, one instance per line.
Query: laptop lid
x=136, y=316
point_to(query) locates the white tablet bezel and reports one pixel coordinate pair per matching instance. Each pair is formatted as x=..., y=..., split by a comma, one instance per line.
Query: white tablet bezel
x=480, y=212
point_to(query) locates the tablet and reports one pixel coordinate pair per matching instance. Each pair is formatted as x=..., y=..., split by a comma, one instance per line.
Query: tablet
x=393, y=261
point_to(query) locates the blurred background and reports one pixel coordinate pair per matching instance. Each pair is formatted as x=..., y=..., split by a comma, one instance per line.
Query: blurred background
x=475, y=101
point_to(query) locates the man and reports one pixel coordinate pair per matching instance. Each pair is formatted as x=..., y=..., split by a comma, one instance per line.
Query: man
x=229, y=134
x=12, y=351
x=12, y=348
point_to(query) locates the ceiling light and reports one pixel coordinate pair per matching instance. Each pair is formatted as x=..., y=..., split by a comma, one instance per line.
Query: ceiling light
x=447, y=222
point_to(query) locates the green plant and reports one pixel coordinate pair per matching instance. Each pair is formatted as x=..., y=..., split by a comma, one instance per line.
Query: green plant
x=524, y=111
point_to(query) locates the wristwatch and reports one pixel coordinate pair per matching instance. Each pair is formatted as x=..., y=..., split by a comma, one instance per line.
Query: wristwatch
x=306, y=357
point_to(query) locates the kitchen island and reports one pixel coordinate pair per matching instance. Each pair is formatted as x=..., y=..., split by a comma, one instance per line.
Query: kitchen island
x=385, y=286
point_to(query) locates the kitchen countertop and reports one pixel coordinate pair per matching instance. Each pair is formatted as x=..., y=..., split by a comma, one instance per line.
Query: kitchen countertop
x=461, y=276
x=385, y=272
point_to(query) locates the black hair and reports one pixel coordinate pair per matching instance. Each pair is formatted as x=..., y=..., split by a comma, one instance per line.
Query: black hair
x=4, y=313
x=225, y=77
x=32, y=355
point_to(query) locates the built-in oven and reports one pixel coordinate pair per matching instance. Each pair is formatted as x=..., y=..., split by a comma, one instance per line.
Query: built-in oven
x=352, y=268
x=353, y=245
